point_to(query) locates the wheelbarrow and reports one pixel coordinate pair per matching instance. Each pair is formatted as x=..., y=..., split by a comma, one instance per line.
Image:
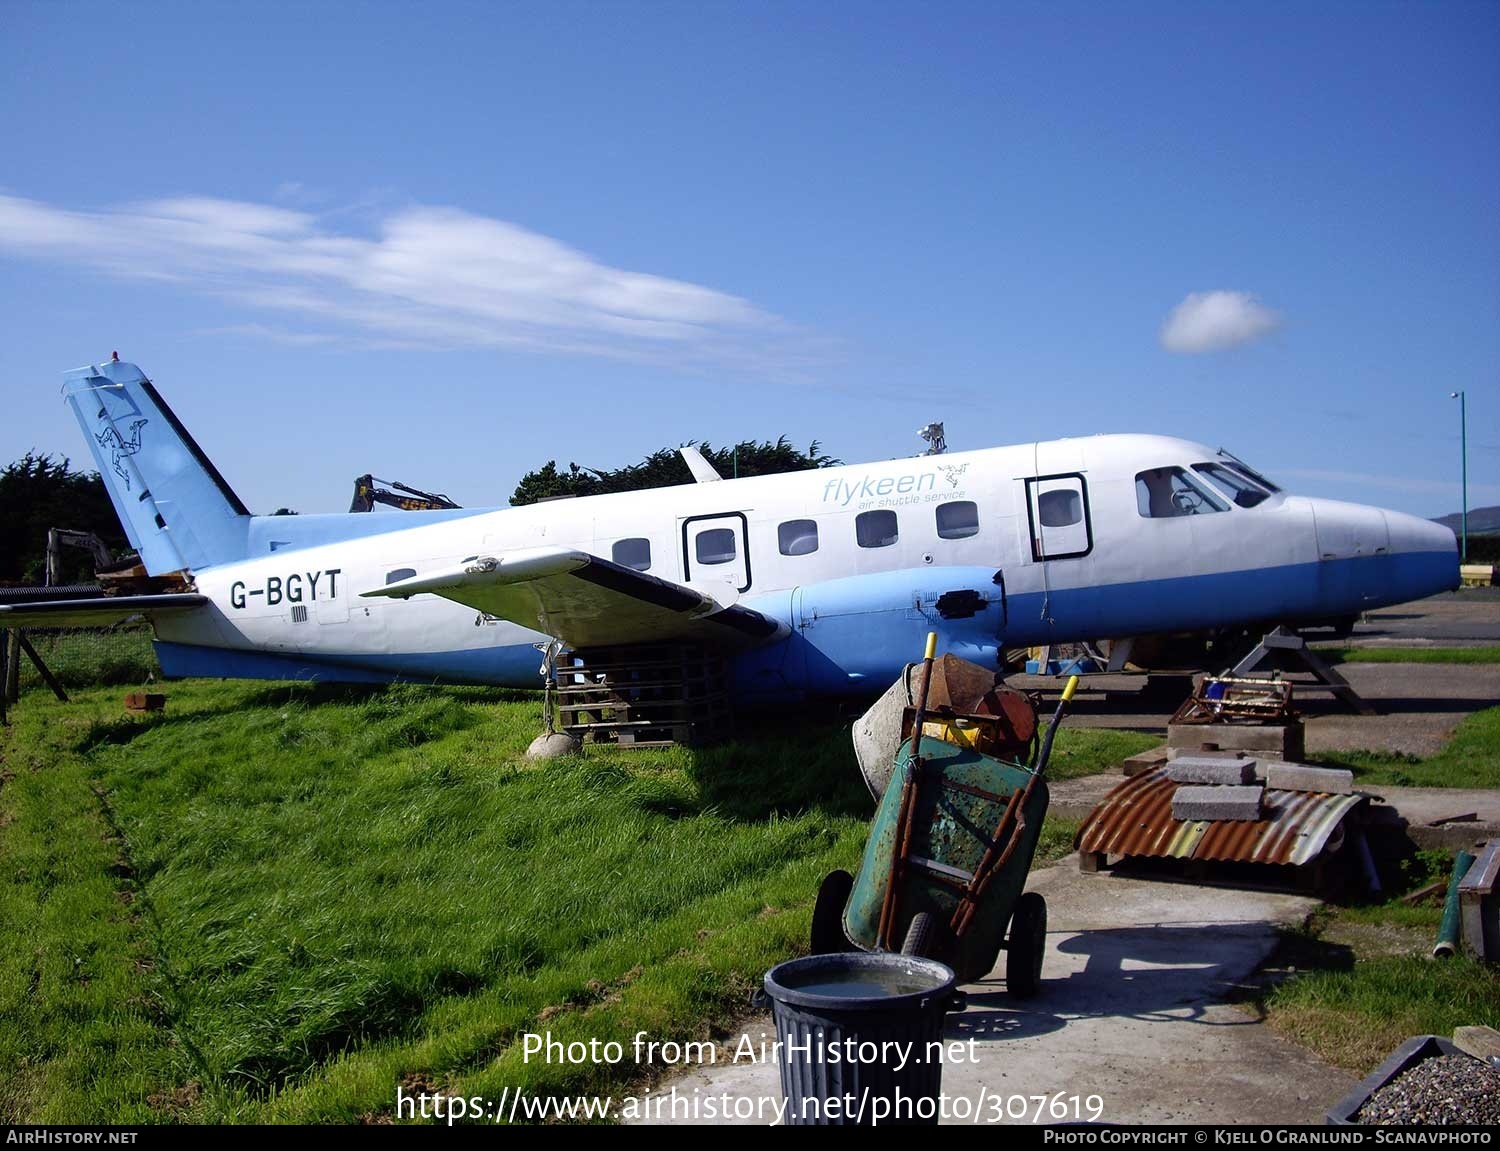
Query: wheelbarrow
x=947, y=857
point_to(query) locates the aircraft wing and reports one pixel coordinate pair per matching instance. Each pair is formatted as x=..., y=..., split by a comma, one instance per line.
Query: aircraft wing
x=586, y=601
x=100, y=611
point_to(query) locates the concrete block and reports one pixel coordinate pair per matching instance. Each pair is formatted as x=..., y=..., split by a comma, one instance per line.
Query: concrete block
x=1215, y=769
x=1274, y=741
x=1234, y=803
x=1300, y=777
x=1480, y=1042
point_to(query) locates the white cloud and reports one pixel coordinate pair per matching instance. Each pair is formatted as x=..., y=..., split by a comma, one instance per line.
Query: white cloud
x=1212, y=321
x=426, y=276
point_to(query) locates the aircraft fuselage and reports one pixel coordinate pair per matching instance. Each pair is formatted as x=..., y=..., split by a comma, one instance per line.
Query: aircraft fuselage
x=1080, y=539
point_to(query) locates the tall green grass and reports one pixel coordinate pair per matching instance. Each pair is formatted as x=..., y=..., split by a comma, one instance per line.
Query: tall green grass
x=281, y=902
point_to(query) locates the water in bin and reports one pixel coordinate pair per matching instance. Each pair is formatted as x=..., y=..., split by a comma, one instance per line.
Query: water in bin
x=846, y=1021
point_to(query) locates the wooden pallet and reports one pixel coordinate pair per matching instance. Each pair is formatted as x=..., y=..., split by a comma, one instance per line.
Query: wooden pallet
x=647, y=695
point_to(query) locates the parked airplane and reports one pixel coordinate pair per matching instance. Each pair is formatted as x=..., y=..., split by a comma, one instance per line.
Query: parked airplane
x=822, y=581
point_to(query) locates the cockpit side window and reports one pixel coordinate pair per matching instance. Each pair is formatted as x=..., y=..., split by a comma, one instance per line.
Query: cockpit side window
x=1234, y=485
x=1164, y=493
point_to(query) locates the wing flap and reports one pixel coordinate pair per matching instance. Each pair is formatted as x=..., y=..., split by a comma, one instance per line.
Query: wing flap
x=586, y=601
x=101, y=611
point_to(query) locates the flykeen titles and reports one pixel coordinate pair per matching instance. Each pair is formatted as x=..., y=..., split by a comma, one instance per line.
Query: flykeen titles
x=845, y=492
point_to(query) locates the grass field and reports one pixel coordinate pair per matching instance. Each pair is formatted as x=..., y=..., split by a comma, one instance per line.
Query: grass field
x=1358, y=981
x=1470, y=759
x=280, y=902
x=1410, y=654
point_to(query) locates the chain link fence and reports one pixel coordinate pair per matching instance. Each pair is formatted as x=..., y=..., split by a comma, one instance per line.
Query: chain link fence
x=92, y=657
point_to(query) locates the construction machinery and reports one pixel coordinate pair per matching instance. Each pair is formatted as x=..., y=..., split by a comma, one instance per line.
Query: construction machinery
x=395, y=495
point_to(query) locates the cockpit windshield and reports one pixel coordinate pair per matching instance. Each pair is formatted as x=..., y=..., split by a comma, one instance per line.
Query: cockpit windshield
x=1239, y=465
x=1243, y=491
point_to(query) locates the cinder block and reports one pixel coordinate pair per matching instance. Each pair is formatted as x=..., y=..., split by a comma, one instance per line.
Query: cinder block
x=1300, y=777
x=1233, y=803
x=1216, y=769
x=1274, y=741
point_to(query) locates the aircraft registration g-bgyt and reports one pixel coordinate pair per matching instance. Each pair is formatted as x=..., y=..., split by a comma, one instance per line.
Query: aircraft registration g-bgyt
x=814, y=582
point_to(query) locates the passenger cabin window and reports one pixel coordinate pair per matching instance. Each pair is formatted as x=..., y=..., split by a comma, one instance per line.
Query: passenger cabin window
x=399, y=574
x=632, y=553
x=875, y=529
x=958, y=520
x=716, y=546
x=1057, y=514
x=1239, y=489
x=797, y=537
x=1164, y=493
x=1060, y=508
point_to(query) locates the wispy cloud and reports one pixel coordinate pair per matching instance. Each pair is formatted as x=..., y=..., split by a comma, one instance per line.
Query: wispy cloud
x=1212, y=321
x=427, y=276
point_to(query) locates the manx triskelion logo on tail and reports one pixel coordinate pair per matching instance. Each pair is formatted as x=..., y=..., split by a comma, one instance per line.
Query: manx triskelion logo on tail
x=119, y=448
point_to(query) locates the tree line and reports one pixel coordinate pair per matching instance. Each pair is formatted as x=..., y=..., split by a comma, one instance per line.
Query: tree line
x=38, y=492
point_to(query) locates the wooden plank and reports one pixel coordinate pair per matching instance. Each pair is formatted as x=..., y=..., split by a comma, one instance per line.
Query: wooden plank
x=1484, y=872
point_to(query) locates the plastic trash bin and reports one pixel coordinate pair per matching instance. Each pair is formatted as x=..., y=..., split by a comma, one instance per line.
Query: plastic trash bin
x=862, y=1036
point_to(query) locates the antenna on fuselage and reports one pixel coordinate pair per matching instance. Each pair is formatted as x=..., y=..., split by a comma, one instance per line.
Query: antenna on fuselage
x=937, y=443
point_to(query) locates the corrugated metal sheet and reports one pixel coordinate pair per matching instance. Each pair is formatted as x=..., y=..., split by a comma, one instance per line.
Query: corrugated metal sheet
x=1136, y=819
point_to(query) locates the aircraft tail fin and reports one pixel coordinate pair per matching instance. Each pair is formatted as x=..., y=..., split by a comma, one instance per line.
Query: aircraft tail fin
x=175, y=506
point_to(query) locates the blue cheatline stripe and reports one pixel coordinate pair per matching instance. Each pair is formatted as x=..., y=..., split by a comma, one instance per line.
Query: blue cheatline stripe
x=863, y=651
x=516, y=666
x=1293, y=593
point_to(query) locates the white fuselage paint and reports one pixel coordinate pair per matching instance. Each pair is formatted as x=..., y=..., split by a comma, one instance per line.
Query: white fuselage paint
x=1121, y=549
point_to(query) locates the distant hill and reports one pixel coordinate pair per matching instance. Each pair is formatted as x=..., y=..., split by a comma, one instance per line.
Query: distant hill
x=1482, y=521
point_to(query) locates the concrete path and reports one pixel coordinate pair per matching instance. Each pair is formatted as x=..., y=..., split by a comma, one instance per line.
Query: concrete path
x=1134, y=1009
x=1419, y=705
x=1457, y=619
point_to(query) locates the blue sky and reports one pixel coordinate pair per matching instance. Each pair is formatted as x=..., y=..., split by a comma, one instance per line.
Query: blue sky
x=447, y=242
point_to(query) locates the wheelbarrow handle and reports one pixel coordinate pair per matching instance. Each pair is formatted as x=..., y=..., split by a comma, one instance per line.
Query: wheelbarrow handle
x=911, y=779
x=1062, y=705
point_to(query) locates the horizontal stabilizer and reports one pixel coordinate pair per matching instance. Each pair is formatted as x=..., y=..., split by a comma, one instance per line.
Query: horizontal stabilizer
x=102, y=611
x=586, y=601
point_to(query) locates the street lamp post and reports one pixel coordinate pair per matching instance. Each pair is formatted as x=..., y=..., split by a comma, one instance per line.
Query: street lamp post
x=1463, y=449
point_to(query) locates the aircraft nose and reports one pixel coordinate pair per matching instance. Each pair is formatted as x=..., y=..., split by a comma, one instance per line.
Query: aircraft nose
x=1414, y=534
x=1425, y=554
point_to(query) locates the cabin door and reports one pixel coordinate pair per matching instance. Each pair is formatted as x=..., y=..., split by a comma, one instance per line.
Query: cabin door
x=716, y=549
x=1057, y=508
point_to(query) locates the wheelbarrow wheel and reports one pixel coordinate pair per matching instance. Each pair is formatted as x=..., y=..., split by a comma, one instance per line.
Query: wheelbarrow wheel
x=1028, y=939
x=828, y=914
x=920, y=936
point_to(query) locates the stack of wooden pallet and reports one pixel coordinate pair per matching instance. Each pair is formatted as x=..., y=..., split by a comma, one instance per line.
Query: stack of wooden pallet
x=649, y=695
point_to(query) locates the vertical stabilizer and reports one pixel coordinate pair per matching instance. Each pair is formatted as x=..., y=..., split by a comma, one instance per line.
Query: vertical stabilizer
x=175, y=507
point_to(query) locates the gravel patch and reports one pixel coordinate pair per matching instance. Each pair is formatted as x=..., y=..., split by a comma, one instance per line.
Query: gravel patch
x=1447, y=1089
